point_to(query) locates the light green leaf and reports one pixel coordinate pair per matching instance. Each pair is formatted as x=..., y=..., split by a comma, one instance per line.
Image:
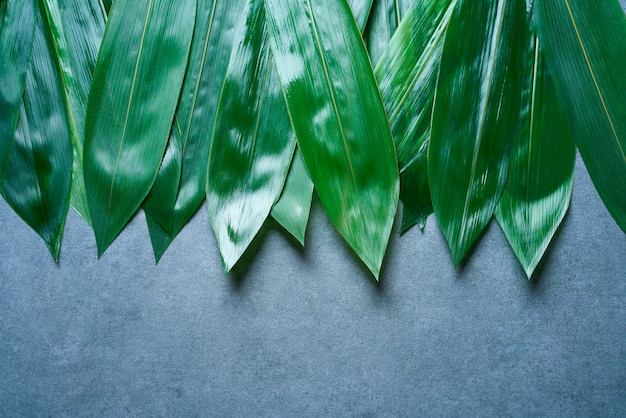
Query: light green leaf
x=179, y=188
x=585, y=49
x=252, y=144
x=76, y=28
x=407, y=77
x=17, y=29
x=360, y=11
x=541, y=167
x=384, y=19
x=131, y=106
x=293, y=208
x=37, y=175
x=474, y=115
x=339, y=119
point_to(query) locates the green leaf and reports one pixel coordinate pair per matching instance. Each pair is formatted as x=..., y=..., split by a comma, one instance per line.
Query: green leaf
x=17, y=29
x=37, y=176
x=252, y=144
x=76, y=29
x=384, y=19
x=474, y=115
x=131, y=106
x=339, y=119
x=179, y=188
x=360, y=11
x=585, y=49
x=407, y=77
x=541, y=167
x=293, y=208
x=159, y=238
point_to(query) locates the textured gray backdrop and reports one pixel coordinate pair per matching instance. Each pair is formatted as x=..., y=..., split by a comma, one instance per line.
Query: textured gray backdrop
x=307, y=332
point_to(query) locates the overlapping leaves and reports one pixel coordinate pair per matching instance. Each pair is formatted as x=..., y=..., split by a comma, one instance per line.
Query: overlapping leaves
x=200, y=99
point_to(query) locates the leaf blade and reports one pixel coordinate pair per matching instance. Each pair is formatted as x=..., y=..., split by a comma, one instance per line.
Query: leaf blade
x=128, y=124
x=541, y=171
x=467, y=156
x=252, y=144
x=592, y=99
x=349, y=153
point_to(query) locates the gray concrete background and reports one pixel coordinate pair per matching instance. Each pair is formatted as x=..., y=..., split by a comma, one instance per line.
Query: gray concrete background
x=307, y=332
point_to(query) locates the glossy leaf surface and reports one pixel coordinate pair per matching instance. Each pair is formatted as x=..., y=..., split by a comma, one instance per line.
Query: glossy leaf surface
x=252, y=144
x=474, y=115
x=17, y=29
x=541, y=167
x=407, y=77
x=360, y=11
x=294, y=206
x=179, y=188
x=37, y=176
x=76, y=30
x=585, y=49
x=385, y=17
x=131, y=106
x=339, y=119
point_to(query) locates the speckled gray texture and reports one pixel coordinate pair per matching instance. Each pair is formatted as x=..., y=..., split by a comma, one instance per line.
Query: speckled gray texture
x=308, y=332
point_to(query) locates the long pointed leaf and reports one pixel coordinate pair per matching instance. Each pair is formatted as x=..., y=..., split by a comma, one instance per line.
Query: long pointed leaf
x=159, y=238
x=384, y=19
x=77, y=28
x=179, y=188
x=407, y=77
x=541, y=167
x=293, y=208
x=474, y=115
x=131, y=106
x=37, y=176
x=252, y=144
x=17, y=29
x=585, y=49
x=339, y=119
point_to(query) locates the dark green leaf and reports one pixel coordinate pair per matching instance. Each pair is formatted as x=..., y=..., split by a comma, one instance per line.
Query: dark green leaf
x=131, y=106
x=407, y=76
x=384, y=19
x=76, y=29
x=339, y=119
x=541, y=167
x=293, y=208
x=37, y=176
x=17, y=28
x=179, y=188
x=474, y=115
x=252, y=144
x=159, y=238
x=585, y=48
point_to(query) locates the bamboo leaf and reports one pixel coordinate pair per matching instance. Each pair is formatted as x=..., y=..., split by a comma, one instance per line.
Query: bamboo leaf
x=541, y=167
x=252, y=144
x=37, y=176
x=17, y=29
x=407, y=77
x=159, y=238
x=385, y=17
x=360, y=11
x=292, y=210
x=179, y=188
x=131, y=106
x=338, y=118
x=474, y=115
x=76, y=29
x=585, y=49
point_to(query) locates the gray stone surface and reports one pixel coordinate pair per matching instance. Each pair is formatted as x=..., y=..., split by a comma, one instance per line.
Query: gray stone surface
x=307, y=332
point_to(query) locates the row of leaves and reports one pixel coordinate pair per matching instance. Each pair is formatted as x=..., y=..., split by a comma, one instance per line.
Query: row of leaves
x=474, y=109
